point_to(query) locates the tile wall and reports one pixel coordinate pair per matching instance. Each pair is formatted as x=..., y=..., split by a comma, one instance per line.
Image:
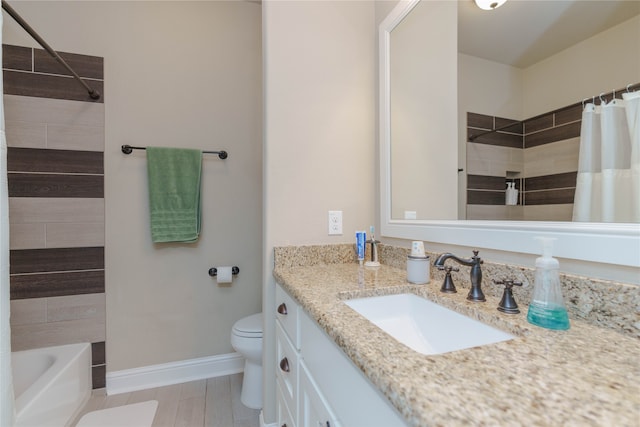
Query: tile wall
x=55, y=134
x=540, y=155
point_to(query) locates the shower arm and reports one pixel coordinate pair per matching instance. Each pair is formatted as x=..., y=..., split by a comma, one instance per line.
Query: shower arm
x=94, y=94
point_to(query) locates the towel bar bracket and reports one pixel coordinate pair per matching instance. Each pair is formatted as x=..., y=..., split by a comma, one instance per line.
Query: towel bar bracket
x=128, y=149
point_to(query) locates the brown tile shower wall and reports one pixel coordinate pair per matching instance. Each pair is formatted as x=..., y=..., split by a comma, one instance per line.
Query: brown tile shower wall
x=489, y=157
x=547, y=149
x=55, y=134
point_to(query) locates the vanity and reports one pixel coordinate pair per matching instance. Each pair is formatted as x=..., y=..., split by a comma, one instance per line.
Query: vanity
x=336, y=368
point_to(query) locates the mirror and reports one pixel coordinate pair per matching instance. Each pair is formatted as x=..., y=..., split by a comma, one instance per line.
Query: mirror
x=600, y=243
x=498, y=63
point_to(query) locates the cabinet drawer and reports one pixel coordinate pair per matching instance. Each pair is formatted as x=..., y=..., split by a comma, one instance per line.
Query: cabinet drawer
x=314, y=409
x=288, y=314
x=287, y=369
x=283, y=414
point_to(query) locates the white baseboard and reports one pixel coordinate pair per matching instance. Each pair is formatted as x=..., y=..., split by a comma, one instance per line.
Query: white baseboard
x=183, y=371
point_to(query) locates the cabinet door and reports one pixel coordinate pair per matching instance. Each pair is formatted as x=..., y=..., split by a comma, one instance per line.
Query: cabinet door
x=283, y=414
x=287, y=369
x=314, y=410
x=352, y=398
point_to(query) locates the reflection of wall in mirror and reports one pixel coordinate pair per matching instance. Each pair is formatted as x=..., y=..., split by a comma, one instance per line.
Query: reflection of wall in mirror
x=584, y=70
x=423, y=115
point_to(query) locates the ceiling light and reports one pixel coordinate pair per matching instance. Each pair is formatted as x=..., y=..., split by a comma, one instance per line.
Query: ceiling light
x=489, y=4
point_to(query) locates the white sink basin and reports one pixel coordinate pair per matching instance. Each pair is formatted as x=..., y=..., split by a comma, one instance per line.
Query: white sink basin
x=425, y=326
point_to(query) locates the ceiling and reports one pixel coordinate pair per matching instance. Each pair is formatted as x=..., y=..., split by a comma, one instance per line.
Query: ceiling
x=523, y=32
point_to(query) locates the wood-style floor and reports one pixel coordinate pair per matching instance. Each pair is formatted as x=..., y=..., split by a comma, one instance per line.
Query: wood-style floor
x=214, y=402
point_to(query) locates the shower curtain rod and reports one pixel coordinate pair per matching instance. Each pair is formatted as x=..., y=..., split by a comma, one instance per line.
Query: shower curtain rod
x=568, y=107
x=94, y=94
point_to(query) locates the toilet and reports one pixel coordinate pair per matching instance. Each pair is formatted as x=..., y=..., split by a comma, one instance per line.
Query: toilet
x=246, y=339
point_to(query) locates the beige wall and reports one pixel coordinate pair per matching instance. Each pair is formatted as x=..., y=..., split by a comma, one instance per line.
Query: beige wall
x=319, y=132
x=605, y=62
x=182, y=74
x=423, y=131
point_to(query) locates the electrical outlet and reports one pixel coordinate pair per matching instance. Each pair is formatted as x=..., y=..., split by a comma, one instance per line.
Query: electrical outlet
x=335, y=223
x=410, y=215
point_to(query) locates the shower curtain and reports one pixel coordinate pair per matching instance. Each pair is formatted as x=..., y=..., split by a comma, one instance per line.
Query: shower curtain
x=7, y=409
x=608, y=183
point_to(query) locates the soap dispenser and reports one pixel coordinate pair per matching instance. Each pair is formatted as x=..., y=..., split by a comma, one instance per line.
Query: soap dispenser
x=547, y=307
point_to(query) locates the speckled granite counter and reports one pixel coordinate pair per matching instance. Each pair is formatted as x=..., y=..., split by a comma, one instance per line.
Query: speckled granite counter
x=587, y=375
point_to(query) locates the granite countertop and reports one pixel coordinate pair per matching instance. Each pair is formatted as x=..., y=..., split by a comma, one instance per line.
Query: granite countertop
x=587, y=375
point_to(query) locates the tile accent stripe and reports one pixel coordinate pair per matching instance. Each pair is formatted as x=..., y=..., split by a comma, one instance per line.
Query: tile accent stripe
x=475, y=197
x=49, y=185
x=58, y=161
x=48, y=86
x=558, y=133
x=550, y=197
x=57, y=259
x=17, y=58
x=24, y=286
x=556, y=181
x=508, y=137
x=33, y=72
x=90, y=67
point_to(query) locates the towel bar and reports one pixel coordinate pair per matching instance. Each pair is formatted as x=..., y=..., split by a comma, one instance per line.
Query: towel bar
x=128, y=149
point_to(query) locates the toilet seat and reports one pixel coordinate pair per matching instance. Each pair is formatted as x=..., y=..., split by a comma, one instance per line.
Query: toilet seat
x=249, y=327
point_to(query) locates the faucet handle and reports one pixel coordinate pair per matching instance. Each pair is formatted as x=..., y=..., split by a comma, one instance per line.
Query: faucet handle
x=447, y=286
x=508, y=304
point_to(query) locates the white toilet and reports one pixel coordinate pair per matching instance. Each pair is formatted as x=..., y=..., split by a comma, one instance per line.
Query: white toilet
x=246, y=339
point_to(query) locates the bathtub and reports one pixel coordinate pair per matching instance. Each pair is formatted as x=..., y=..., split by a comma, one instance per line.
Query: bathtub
x=51, y=384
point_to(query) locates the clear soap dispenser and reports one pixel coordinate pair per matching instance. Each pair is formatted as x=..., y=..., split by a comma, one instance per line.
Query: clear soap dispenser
x=547, y=308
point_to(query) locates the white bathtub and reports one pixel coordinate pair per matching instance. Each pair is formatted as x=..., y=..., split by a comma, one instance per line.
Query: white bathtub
x=51, y=384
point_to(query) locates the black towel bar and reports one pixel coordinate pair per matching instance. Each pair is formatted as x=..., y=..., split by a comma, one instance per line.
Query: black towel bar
x=127, y=149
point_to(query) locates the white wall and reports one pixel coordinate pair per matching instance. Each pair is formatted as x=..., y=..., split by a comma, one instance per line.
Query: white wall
x=181, y=74
x=319, y=146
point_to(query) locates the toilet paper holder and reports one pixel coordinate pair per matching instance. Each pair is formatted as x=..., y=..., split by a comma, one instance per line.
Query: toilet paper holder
x=214, y=271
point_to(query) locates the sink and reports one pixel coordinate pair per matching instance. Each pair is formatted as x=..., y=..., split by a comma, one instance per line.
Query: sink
x=425, y=326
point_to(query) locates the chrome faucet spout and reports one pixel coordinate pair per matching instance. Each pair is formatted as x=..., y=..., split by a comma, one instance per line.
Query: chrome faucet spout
x=475, y=293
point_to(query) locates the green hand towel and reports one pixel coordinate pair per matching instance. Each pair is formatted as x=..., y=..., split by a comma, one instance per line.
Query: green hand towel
x=174, y=193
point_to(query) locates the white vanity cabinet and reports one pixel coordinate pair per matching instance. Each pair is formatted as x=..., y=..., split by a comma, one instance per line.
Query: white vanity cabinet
x=287, y=358
x=318, y=385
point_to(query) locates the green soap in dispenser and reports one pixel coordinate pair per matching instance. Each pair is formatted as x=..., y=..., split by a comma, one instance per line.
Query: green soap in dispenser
x=547, y=308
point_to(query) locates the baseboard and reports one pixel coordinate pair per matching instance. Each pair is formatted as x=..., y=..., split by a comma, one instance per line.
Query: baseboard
x=153, y=376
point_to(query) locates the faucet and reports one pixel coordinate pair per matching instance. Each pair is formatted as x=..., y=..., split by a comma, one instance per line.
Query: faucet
x=475, y=293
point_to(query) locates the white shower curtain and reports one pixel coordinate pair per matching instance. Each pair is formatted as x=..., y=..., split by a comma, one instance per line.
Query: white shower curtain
x=7, y=410
x=608, y=183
